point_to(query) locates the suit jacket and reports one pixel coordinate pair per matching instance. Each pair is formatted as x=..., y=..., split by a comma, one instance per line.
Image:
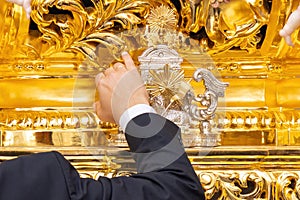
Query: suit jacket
x=164, y=171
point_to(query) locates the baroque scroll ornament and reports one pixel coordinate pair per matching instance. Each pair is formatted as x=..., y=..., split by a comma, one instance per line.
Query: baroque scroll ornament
x=234, y=185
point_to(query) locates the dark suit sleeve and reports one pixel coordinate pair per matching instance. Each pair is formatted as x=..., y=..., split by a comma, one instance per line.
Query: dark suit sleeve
x=164, y=171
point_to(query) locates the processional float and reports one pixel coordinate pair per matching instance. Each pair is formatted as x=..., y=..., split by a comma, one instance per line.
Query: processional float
x=221, y=70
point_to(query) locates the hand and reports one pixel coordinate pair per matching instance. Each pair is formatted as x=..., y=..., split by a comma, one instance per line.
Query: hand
x=291, y=25
x=26, y=5
x=120, y=87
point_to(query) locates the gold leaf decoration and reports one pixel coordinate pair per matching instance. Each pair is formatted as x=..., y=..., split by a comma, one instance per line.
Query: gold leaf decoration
x=288, y=185
x=77, y=26
x=166, y=81
x=234, y=185
x=87, y=47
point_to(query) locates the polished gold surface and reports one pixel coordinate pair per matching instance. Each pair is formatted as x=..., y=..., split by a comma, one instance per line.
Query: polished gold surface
x=48, y=64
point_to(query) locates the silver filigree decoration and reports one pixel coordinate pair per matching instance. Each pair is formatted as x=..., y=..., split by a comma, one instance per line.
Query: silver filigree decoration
x=161, y=71
x=209, y=102
x=174, y=98
x=155, y=58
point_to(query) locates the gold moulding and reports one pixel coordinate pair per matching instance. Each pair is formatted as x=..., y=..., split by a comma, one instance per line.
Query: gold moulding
x=262, y=108
x=52, y=127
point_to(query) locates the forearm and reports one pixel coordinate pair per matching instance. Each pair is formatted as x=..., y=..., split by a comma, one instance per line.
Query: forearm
x=164, y=171
x=154, y=141
x=55, y=178
x=161, y=160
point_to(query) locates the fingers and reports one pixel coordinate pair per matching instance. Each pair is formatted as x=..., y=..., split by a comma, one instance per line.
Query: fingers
x=108, y=71
x=119, y=66
x=98, y=78
x=116, y=88
x=129, y=65
x=27, y=7
x=116, y=67
x=128, y=61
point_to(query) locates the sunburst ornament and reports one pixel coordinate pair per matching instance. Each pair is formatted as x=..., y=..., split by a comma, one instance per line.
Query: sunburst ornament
x=168, y=87
x=161, y=28
x=162, y=18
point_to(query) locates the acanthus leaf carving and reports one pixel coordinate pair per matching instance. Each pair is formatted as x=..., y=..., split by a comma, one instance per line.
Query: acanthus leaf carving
x=235, y=184
x=74, y=25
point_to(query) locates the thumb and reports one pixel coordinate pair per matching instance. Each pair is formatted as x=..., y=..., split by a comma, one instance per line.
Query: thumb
x=128, y=61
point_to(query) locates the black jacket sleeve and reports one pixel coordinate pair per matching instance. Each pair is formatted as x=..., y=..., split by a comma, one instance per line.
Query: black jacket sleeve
x=164, y=171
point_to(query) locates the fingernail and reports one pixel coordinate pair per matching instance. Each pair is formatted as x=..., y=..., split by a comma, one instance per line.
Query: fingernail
x=98, y=77
x=124, y=53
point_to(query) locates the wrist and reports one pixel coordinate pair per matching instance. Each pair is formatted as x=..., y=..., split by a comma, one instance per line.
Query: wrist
x=133, y=112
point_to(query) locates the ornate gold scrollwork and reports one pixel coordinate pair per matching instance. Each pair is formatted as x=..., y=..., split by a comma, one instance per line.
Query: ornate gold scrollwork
x=235, y=185
x=288, y=186
x=227, y=24
x=81, y=26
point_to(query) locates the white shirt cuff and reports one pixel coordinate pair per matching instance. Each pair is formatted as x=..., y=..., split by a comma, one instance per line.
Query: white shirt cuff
x=132, y=112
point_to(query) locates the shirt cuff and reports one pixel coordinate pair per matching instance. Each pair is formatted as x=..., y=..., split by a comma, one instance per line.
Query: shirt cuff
x=132, y=112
